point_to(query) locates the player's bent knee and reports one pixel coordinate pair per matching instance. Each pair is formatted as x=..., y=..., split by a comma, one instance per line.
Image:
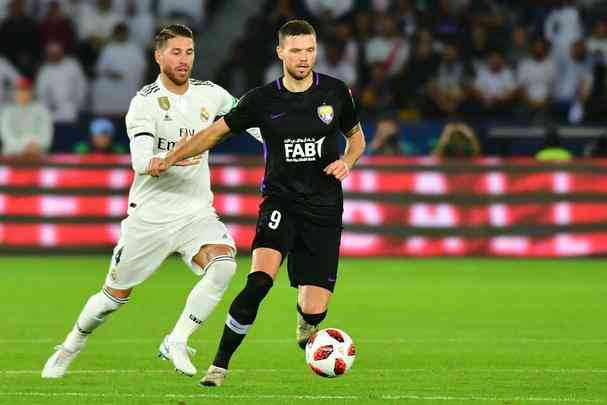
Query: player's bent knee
x=111, y=302
x=220, y=271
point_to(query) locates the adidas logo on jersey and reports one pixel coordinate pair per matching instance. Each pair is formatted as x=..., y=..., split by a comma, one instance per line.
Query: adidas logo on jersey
x=167, y=118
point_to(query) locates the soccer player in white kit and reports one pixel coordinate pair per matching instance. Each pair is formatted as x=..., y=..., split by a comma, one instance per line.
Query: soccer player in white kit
x=173, y=213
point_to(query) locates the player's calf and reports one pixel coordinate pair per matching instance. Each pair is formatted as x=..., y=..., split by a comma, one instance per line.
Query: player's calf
x=94, y=313
x=204, y=297
x=241, y=316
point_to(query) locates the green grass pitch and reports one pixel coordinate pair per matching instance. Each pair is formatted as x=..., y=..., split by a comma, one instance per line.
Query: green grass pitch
x=463, y=331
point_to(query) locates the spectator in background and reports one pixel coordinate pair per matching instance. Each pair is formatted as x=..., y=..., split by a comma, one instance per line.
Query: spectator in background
x=446, y=25
x=27, y=128
x=494, y=87
x=101, y=137
x=61, y=85
x=597, y=43
x=563, y=27
x=518, y=48
x=190, y=12
x=406, y=18
x=120, y=71
x=553, y=149
x=377, y=95
x=329, y=10
x=574, y=84
x=20, y=39
x=95, y=23
x=120, y=7
x=457, y=140
x=141, y=23
x=446, y=90
x=536, y=76
x=343, y=34
x=8, y=76
x=478, y=47
x=386, y=137
x=413, y=79
x=333, y=64
x=387, y=46
x=57, y=28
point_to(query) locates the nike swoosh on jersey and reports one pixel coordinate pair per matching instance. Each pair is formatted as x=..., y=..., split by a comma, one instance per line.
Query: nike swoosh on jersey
x=278, y=115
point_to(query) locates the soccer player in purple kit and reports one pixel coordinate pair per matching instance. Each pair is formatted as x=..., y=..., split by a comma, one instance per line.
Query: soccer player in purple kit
x=301, y=116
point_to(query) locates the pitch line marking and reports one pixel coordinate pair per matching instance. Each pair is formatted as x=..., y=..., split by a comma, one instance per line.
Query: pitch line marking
x=397, y=340
x=358, y=370
x=305, y=397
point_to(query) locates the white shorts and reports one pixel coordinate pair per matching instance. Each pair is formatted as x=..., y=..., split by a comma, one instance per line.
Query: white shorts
x=143, y=247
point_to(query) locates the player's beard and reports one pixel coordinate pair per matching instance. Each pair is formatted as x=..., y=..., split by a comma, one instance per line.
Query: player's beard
x=173, y=77
x=297, y=76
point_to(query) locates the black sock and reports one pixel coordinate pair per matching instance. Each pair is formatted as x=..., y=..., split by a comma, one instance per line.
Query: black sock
x=312, y=319
x=241, y=315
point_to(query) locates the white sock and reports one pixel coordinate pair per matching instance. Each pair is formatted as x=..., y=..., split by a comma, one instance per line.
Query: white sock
x=204, y=297
x=97, y=308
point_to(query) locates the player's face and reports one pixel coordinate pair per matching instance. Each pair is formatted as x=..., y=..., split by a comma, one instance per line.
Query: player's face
x=298, y=54
x=176, y=59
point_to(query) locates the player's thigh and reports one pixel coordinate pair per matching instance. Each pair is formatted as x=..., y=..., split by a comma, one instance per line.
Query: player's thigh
x=314, y=257
x=267, y=260
x=274, y=230
x=201, y=240
x=140, y=250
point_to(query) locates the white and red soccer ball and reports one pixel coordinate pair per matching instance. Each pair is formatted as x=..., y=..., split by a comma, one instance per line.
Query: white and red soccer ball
x=330, y=352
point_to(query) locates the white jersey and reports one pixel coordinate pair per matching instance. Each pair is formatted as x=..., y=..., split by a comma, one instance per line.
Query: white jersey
x=179, y=192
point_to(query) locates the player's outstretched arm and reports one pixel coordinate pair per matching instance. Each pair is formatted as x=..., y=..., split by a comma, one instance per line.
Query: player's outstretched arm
x=199, y=143
x=355, y=146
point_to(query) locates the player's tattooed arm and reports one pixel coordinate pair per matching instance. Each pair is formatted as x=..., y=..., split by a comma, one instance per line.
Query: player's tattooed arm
x=355, y=146
x=199, y=143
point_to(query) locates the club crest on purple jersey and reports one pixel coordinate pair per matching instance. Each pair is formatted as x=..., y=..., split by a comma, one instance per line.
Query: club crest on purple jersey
x=325, y=113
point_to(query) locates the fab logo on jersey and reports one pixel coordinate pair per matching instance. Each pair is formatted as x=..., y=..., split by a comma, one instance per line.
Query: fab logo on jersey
x=303, y=149
x=325, y=113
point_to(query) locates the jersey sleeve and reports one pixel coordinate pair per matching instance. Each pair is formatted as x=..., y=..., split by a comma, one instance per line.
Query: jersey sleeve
x=139, y=120
x=349, y=115
x=226, y=101
x=244, y=115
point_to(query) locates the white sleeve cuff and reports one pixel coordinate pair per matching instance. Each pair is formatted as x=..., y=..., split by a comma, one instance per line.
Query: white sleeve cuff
x=142, y=150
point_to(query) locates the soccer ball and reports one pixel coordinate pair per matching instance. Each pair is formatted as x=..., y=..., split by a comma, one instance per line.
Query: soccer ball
x=330, y=352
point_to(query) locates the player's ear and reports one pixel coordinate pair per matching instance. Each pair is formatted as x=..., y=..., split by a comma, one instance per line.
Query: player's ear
x=157, y=56
x=279, y=51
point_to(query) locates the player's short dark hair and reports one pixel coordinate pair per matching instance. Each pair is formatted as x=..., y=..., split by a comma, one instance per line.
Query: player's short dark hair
x=172, y=31
x=295, y=27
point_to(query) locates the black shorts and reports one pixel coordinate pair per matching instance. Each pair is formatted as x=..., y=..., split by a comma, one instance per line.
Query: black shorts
x=312, y=245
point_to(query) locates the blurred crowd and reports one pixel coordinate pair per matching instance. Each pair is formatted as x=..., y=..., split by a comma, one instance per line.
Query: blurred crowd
x=500, y=61
x=74, y=65
x=539, y=63
x=495, y=59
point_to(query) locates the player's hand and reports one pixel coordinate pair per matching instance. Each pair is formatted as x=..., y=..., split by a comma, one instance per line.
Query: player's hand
x=156, y=166
x=339, y=169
